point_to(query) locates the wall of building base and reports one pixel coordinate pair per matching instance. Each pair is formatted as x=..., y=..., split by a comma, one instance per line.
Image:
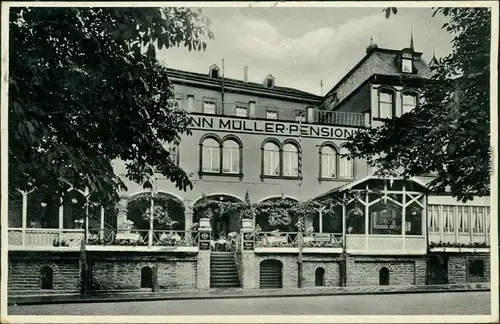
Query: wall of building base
x=24, y=275
x=365, y=270
x=458, y=268
x=123, y=272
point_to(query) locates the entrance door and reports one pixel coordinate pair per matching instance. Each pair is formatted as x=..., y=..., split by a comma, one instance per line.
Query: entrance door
x=438, y=270
x=270, y=274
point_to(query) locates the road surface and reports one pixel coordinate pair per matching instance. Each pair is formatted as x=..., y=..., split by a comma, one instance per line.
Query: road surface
x=455, y=303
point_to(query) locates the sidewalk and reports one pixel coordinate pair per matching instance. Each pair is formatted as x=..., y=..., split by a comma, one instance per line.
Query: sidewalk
x=242, y=293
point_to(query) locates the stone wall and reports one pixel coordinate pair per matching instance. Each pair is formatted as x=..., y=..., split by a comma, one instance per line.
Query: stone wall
x=364, y=270
x=202, y=272
x=24, y=274
x=332, y=271
x=458, y=270
x=124, y=272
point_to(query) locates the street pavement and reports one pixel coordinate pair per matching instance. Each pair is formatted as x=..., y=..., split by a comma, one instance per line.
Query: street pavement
x=450, y=303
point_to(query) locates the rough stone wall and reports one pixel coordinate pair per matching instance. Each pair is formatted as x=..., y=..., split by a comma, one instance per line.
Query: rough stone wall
x=125, y=274
x=458, y=268
x=332, y=272
x=364, y=271
x=24, y=275
x=249, y=278
x=202, y=278
x=238, y=261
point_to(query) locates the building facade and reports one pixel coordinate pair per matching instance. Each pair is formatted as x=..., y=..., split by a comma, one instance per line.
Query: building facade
x=261, y=143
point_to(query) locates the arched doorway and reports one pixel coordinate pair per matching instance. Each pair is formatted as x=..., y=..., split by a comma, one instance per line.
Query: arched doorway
x=146, y=277
x=270, y=274
x=47, y=277
x=319, y=277
x=224, y=219
x=383, y=276
x=168, y=213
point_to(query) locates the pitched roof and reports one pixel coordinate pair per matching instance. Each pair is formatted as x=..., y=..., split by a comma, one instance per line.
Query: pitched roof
x=229, y=82
x=379, y=61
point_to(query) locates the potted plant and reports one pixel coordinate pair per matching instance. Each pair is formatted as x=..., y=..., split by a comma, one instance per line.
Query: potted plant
x=205, y=216
x=247, y=213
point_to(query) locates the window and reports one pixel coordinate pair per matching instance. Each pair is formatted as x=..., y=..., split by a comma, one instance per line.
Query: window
x=328, y=162
x=230, y=157
x=271, y=159
x=214, y=73
x=346, y=166
x=385, y=104
x=270, y=83
x=409, y=103
x=209, y=107
x=300, y=116
x=407, y=63
x=383, y=276
x=476, y=268
x=290, y=160
x=319, y=277
x=280, y=161
x=174, y=154
x=47, y=277
x=210, y=155
x=272, y=114
x=241, y=111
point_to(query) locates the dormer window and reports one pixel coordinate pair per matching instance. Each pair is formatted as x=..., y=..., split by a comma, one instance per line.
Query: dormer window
x=269, y=82
x=214, y=72
x=407, y=63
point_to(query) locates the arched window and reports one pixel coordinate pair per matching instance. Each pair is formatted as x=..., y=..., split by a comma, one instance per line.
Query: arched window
x=346, y=166
x=385, y=103
x=230, y=157
x=409, y=102
x=328, y=162
x=319, y=277
x=210, y=155
x=383, y=276
x=47, y=277
x=271, y=159
x=146, y=277
x=290, y=160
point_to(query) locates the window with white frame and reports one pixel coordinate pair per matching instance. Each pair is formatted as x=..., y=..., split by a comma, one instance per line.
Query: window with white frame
x=328, y=162
x=290, y=160
x=271, y=159
x=271, y=114
x=409, y=103
x=300, y=116
x=463, y=224
x=407, y=63
x=386, y=104
x=173, y=151
x=433, y=218
x=230, y=157
x=210, y=155
x=209, y=107
x=346, y=166
x=241, y=111
x=477, y=220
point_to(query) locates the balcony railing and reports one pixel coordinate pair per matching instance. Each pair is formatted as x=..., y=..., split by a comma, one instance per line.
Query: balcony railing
x=40, y=238
x=284, y=114
x=163, y=238
x=385, y=244
x=291, y=240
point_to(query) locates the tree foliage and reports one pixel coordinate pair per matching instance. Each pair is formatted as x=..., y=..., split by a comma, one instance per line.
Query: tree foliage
x=448, y=134
x=85, y=88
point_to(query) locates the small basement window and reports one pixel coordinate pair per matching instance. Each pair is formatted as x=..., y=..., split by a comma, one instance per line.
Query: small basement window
x=476, y=268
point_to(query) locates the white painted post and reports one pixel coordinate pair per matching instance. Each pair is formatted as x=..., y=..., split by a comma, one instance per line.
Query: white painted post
x=151, y=218
x=485, y=224
x=25, y=217
x=61, y=219
x=457, y=222
x=344, y=225
x=101, y=232
x=367, y=210
x=441, y=222
x=403, y=218
x=471, y=223
x=86, y=193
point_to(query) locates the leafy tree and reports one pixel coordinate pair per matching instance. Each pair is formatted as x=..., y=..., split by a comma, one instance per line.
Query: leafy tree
x=448, y=134
x=85, y=88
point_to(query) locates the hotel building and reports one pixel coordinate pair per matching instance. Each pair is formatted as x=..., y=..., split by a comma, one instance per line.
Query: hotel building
x=267, y=143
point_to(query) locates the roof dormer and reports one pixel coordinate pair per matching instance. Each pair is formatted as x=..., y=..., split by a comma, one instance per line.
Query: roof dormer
x=213, y=71
x=406, y=58
x=269, y=82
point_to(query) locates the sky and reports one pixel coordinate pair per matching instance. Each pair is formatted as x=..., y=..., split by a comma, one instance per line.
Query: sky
x=301, y=47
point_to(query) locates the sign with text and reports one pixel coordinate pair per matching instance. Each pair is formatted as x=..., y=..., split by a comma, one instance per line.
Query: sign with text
x=266, y=127
x=322, y=237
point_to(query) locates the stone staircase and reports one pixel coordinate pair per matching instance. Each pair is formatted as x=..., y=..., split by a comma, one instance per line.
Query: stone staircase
x=223, y=271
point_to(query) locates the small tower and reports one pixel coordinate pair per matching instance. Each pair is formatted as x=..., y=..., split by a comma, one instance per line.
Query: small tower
x=372, y=47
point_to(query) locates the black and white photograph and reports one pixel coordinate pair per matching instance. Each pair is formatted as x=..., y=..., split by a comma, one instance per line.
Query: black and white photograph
x=255, y=162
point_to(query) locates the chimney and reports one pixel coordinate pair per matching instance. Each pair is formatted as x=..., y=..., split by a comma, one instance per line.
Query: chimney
x=245, y=74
